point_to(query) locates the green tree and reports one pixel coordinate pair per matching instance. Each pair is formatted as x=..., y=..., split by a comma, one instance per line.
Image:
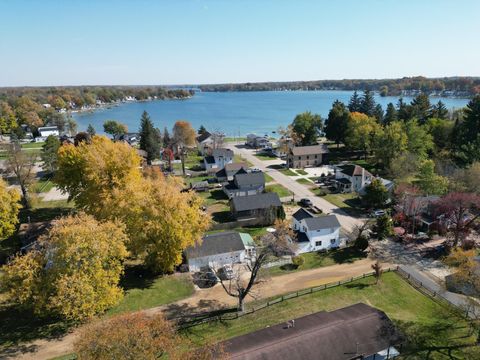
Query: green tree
x=49, y=153
x=149, y=138
x=354, y=103
x=91, y=130
x=74, y=272
x=468, y=147
x=9, y=208
x=421, y=107
x=441, y=131
x=376, y=194
x=420, y=142
x=378, y=113
x=383, y=90
x=337, y=122
x=439, y=111
x=404, y=110
x=167, y=140
x=367, y=103
x=361, y=132
x=384, y=227
x=21, y=164
x=390, y=114
x=114, y=128
x=201, y=130
x=394, y=135
x=71, y=126
x=307, y=127
x=430, y=182
x=183, y=137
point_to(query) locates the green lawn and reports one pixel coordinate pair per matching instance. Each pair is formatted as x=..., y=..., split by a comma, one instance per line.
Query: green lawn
x=33, y=145
x=304, y=181
x=43, y=185
x=349, y=202
x=288, y=172
x=268, y=178
x=212, y=197
x=144, y=291
x=301, y=172
x=279, y=189
x=265, y=156
x=433, y=331
x=235, y=139
x=254, y=231
x=319, y=259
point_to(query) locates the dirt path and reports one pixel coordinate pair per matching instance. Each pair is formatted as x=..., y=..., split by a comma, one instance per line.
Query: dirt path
x=205, y=299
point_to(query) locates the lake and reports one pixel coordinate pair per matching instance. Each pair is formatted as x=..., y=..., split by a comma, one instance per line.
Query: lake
x=234, y=113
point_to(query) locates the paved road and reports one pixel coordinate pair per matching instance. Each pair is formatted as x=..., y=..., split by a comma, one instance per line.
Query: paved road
x=458, y=300
x=348, y=222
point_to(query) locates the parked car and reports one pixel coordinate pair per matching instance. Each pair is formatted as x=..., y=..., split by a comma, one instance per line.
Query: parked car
x=306, y=202
x=208, y=277
x=212, y=180
x=377, y=213
x=255, y=170
x=226, y=272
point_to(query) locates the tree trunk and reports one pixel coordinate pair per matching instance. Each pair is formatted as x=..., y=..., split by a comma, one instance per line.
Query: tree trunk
x=24, y=196
x=241, y=304
x=182, y=156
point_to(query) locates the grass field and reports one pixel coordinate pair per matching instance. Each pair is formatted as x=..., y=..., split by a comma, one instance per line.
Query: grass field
x=33, y=145
x=43, y=185
x=288, y=172
x=301, y=172
x=350, y=203
x=432, y=330
x=319, y=259
x=144, y=291
x=265, y=156
x=304, y=181
x=279, y=189
x=268, y=178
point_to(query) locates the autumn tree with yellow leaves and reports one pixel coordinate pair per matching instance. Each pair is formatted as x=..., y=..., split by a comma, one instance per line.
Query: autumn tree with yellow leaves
x=105, y=180
x=74, y=270
x=9, y=207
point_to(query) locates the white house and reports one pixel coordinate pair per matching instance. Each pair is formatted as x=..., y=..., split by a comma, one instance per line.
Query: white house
x=315, y=233
x=351, y=178
x=204, y=142
x=218, y=159
x=217, y=250
x=244, y=184
x=46, y=131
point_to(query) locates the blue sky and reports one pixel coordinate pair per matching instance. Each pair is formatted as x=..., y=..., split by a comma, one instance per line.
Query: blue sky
x=67, y=42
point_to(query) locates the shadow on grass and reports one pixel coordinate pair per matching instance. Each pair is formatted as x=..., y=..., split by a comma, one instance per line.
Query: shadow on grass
x=19, y=326
x=357, y=286
x=218, y=195
x=42, y=214
x=137, y=277
x=347, y=255
x=289, y=267
x=222, y=216
x=276, y=167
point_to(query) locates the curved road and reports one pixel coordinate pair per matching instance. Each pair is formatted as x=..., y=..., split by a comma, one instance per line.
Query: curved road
x=349, y=223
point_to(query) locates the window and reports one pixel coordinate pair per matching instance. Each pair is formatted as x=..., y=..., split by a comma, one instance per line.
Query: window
x=332, y=241
x=315, y=156
x=307, y=157
x=318, y=243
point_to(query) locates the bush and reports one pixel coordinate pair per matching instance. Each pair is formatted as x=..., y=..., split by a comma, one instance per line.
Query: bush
x=361, y=242
x=298, y=260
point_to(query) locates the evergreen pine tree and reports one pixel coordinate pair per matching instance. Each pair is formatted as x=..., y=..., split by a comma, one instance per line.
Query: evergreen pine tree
x=201, y=130
x=354, y=104
x=439, y=110
x=390, y=115
x=367, y=103
x=403, y=110
x=149, y=138
x=378, y=113
x=421, y=107
x=91, y=130
x=167, y=140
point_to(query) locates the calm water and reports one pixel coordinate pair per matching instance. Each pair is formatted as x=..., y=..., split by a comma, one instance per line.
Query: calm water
x=233, y=113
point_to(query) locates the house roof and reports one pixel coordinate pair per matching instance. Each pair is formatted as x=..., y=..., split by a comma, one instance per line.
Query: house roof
x=231, y=169
x=301, y=214
x=249, y=179
x=209, y=159
x=219, y=243
x=203, y=137
x=322, y=222
x=353, y=170
x=309, y=150
x=258, y=201
x=337, y=335
x=222, y=152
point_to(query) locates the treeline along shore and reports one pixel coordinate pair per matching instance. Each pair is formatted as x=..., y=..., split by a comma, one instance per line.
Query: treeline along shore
x=406, y=86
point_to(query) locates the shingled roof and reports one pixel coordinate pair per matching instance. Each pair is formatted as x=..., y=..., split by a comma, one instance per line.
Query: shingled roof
x=322, y=222
x=301, y=214
x=309, y=150
x=220, y=243
x=258, y=201
x=337, y=335
x=353, y=170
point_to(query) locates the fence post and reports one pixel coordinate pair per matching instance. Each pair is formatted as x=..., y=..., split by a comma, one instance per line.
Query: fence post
x=364, y=275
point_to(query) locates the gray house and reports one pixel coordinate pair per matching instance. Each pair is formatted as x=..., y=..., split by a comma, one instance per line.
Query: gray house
x=244, y=184
x=226, y=174
x=265, y=208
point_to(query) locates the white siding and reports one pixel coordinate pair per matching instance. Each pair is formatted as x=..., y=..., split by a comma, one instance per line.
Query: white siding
x=217, y=260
